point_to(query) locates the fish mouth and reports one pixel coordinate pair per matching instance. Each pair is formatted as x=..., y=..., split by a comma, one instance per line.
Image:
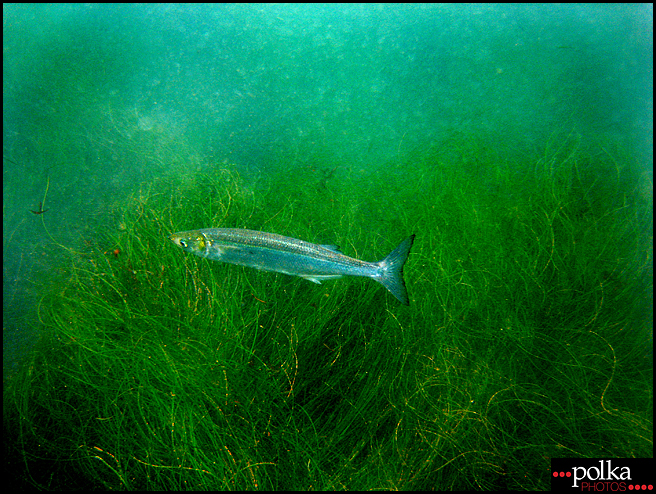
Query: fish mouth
x=177, y=240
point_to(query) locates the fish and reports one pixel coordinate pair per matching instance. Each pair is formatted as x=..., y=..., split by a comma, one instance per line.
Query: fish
x=314, y=262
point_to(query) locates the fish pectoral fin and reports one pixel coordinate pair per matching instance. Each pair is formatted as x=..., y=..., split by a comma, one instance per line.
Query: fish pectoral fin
x=317, y=278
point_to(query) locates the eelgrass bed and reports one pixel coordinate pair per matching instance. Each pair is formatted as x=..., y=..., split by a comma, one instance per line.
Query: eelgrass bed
x=528, y=336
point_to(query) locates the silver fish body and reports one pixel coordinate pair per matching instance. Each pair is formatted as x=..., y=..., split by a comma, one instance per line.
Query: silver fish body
x=314, y=262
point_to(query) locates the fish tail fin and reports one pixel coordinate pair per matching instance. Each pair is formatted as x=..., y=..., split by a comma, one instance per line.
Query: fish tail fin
x=391, y=270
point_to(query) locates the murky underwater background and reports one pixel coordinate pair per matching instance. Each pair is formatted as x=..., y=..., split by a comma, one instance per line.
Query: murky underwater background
x=516, y=142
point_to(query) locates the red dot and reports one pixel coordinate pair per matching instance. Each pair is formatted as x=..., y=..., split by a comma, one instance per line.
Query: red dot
x=555, y=474
x=569, y=474
x=562, y=474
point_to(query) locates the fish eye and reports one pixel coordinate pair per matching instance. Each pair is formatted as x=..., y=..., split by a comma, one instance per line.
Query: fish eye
x=183, y=243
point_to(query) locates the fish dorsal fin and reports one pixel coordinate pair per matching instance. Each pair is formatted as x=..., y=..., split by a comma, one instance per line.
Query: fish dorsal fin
x=334, y=248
